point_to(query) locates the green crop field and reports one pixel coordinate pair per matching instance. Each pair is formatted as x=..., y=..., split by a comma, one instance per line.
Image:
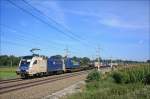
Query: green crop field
x=126, y=83
x=8, y=72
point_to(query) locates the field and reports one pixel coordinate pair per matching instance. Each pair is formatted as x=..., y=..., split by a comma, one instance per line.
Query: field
x=126, y=83
x=8, y=73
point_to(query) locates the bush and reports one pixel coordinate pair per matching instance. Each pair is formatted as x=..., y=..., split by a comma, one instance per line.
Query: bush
x=147, y=79
x=93, y=76
x=117, y=76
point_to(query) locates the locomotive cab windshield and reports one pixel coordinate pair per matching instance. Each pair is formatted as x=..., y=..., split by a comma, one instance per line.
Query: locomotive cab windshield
x=25, y=61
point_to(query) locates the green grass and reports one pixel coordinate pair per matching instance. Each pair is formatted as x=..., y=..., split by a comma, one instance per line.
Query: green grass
x=8, y=73
x=108, y=88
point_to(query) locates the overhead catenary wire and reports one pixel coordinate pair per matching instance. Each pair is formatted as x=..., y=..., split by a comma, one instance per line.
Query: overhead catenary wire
x=49, y=25
x=28, y=47
x=24, y=46
x=28, y=43
x=41, y=20
x=44, y=22
x=20, y=35
x=49, y=18
x=20, y=38
x=69, y=31
x=33, y=38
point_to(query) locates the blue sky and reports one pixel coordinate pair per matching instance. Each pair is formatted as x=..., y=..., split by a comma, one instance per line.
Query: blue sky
x=119, y=28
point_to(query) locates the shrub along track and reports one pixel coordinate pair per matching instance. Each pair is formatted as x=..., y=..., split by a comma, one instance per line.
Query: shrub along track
x=8, y=87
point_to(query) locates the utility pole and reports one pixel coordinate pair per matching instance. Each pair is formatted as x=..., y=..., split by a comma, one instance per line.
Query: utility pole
x=111, y=65
x=65, y=57
x=66, y=52
x=92, y=59
x=11, y=63
x=98, y=56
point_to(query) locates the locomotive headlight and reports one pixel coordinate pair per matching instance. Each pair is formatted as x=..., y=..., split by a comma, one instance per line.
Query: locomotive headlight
x=27, y=70
x=17, y=69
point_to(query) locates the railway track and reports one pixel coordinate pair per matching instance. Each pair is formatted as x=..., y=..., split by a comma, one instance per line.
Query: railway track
x=22, y=84
x=10, y=80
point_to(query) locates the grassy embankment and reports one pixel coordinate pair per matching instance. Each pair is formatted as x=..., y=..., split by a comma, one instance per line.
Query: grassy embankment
x=126, y=83
x=8, y=72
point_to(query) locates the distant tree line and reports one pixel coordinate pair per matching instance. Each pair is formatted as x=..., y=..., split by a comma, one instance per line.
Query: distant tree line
x=11, y=60
x=119, y=61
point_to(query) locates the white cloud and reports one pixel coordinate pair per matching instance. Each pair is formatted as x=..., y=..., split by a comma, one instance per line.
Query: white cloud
x=111, y=20
x=53, y=10
x=120, y=23
x=82, y=13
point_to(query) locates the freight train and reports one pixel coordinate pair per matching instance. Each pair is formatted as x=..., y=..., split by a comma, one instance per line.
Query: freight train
x=35, y=65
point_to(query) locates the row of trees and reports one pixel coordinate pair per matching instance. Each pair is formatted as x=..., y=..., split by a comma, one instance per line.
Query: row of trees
x=6, y=60
x=120, y=61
